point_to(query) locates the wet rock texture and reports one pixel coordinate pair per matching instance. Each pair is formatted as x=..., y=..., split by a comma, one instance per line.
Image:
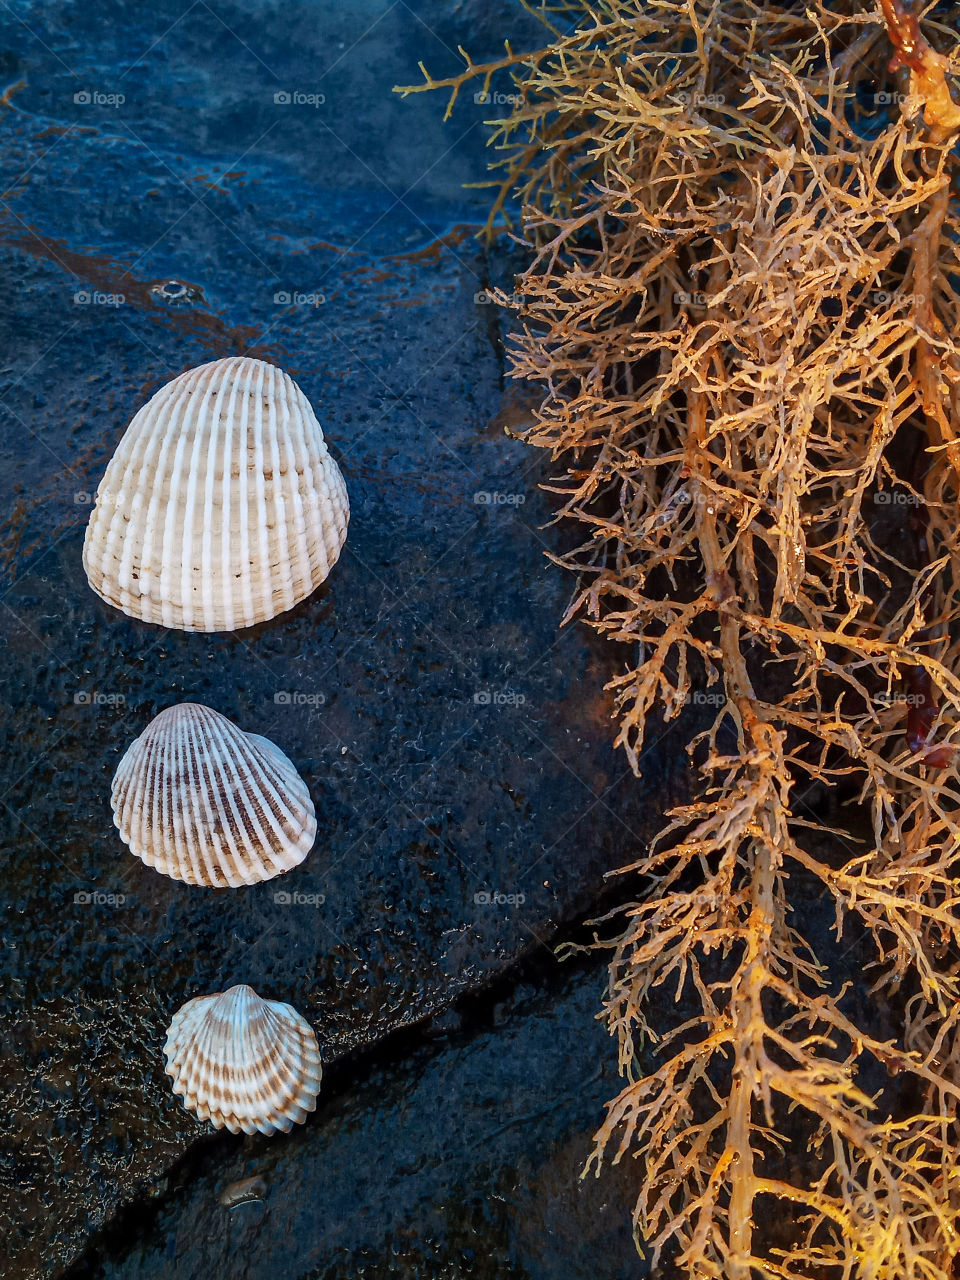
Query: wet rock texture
x=460, y=1159
x=180, y=185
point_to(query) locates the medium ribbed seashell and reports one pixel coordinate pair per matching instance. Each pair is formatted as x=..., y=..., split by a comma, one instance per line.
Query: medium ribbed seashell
x=202, y=801
x=221, y=506
x=242, y=1062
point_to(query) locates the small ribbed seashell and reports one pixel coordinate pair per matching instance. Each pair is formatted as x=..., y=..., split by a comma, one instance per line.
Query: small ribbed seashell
x=202, y=801
x=221, y=506
x=244, y=1063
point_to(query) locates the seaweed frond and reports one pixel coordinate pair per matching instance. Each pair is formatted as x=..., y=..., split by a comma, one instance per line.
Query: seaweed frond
x=742, y=312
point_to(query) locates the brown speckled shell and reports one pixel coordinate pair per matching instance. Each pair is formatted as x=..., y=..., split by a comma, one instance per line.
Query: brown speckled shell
x=244, y=1063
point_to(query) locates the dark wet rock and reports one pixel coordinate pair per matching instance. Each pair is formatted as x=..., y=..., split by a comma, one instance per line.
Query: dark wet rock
x=456, y=746
x=464, y=1160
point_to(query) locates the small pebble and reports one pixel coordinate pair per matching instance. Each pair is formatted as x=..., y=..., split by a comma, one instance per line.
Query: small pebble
x=176, y=293
x=242, y=1192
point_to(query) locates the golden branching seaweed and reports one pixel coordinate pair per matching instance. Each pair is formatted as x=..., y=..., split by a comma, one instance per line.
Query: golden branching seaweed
x=743, y=312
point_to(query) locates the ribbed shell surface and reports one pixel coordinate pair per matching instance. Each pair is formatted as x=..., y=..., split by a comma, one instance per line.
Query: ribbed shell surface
x=244, y=1063
x=200, y=800
x=221, y=506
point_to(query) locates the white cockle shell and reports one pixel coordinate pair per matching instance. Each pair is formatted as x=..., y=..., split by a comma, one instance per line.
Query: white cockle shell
x=221, y=506
x=244, y=1063
x=202, y=801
